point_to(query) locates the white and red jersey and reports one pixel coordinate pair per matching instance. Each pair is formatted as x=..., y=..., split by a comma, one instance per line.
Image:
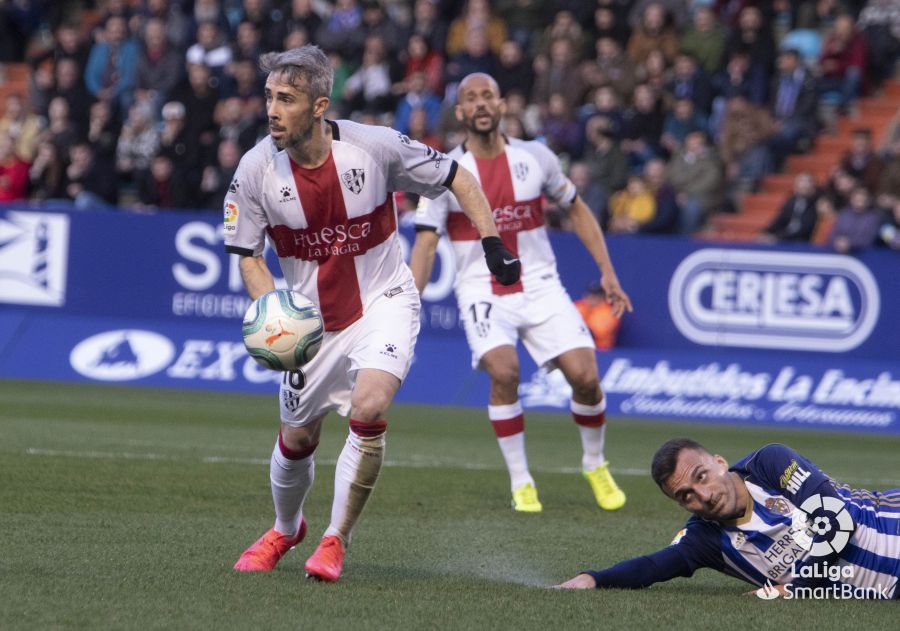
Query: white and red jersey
x=334, y=227
x=514, y=183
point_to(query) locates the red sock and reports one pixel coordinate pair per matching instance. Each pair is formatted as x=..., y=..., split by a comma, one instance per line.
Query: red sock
x=295, y=454
x=368, y=430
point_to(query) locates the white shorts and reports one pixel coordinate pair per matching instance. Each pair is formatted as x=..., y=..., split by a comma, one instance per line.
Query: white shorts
x=544, y=319
x=384, y=338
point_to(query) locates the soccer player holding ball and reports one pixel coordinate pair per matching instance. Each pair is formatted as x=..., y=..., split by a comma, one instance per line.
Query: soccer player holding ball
x=514, y=175
x=321, y=191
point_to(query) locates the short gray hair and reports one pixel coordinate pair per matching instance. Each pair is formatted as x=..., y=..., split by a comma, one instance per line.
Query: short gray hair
x=308, y=63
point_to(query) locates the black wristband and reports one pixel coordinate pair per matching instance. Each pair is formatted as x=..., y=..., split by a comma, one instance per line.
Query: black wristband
x=489, y=244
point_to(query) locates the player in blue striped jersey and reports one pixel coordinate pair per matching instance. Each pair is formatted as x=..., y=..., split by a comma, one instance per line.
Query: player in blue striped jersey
x=772, y=519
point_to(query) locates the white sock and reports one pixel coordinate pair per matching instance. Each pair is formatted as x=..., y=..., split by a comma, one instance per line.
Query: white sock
x=290, y=481
x=592, y=427
x=509, y=425
x=354, y=478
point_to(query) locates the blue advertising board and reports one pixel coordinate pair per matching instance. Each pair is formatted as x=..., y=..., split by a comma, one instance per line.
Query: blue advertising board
x=781, y=335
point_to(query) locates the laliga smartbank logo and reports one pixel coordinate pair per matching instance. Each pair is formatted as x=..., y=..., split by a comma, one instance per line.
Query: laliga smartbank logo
x=822, y=526
x=825, y=517
x=784, y=300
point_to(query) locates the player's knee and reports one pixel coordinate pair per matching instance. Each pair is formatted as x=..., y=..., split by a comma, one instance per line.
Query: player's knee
x=586, y=383
x=507, y=382
x=369, y=408
x=505, y=376
x=298, y=440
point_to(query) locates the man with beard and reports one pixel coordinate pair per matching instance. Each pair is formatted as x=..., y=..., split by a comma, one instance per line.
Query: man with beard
x=772, y=519
x=321, y=191
x=514, y=175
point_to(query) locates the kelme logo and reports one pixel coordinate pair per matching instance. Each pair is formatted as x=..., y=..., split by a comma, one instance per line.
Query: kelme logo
x=783, y=300
x=122, y=355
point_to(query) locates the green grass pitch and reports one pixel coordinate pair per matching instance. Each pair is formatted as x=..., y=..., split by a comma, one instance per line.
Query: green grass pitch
x=126, y=508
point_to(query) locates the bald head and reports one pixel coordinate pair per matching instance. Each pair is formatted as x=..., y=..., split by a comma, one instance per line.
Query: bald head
x=479, y=105
x=477, y=81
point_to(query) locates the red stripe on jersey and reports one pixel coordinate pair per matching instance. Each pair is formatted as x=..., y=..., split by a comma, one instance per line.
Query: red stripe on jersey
x=509, y=214
x=460, y=227
x=332, y=240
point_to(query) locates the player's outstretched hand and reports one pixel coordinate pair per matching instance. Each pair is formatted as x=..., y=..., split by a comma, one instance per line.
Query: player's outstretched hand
x=615, y=295
x=505, y=267
x=582, y=581
x=781, y=590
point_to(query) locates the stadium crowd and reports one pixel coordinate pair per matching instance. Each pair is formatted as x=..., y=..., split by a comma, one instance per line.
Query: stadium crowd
x=663, y=112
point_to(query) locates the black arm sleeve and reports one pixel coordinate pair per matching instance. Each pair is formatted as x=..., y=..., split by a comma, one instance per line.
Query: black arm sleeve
x=644, y=571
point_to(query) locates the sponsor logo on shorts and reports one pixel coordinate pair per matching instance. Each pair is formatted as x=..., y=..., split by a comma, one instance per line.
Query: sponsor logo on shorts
x=784, y=300
x=291, y=400
x=390, y=350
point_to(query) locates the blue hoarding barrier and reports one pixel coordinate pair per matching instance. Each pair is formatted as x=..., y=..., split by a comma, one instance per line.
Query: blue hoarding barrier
x=787, y=335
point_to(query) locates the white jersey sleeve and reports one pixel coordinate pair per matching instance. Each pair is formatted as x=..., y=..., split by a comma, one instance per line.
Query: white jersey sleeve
x=245, y=219
x=556, y=186
x=408, y=164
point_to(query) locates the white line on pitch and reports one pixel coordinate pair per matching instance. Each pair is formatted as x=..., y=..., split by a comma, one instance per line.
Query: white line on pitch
x=418, y=463
x=399, y=464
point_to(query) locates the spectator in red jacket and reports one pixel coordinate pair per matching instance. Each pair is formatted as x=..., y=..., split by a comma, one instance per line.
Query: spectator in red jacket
x=13, y=172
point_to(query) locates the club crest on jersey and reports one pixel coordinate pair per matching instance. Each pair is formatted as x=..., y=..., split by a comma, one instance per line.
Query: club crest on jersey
x=778, y=505
x=520, y=170
x=354, y=180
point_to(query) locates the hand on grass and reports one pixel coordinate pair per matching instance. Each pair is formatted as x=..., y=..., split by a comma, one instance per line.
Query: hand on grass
x=582, y=581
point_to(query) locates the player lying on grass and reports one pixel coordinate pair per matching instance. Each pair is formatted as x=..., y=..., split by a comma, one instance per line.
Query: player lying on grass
x=774, y=520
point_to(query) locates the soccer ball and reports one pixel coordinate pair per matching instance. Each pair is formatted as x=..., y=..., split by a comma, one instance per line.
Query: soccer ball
x=283, y=330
